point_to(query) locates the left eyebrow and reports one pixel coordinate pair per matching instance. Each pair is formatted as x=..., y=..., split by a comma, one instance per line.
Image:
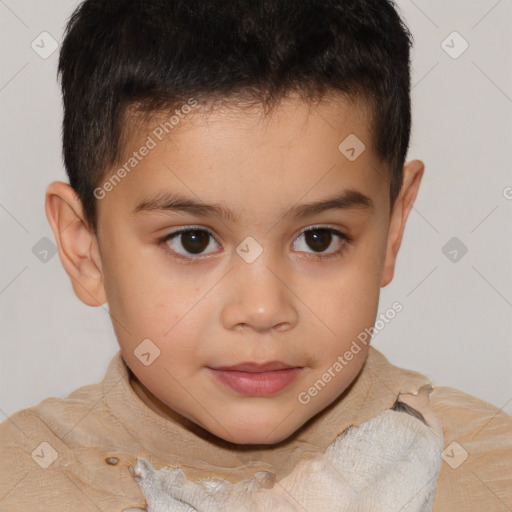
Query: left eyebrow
x=348, y=199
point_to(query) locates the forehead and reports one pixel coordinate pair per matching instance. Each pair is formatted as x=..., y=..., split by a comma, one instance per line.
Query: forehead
x=287, y=118
x=248, y=158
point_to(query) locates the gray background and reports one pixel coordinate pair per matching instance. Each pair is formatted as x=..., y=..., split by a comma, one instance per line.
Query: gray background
x=456, y=323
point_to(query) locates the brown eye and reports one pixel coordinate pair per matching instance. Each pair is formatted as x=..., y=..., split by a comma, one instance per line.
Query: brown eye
x=195, y=241
x=190, y=241
x=319, y=240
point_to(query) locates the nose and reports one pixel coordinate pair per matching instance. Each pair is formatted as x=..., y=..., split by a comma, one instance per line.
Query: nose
x=259, y=298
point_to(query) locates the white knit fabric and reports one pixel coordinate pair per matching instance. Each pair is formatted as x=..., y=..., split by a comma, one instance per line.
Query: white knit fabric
x=388, y=464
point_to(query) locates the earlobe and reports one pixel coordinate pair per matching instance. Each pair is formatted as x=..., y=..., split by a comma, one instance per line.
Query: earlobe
x=77, y=243
x=413, y=172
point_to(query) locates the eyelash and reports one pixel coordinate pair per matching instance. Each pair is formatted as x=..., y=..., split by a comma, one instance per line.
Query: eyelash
x=314, y=256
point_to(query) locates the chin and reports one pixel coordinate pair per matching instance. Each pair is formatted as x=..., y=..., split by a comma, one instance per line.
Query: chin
x=255, y=433
x=256, y=439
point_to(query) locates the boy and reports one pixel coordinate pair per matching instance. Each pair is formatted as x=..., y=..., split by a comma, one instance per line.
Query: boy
x=274, y=133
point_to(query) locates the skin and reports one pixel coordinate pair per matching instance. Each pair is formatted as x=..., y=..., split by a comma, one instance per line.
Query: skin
x=288, y=305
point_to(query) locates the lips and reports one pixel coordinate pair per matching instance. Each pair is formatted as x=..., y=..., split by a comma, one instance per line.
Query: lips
x=256, y=379
x=256, y=367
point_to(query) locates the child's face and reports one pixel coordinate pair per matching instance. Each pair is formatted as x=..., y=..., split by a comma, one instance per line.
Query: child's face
x=214, y=301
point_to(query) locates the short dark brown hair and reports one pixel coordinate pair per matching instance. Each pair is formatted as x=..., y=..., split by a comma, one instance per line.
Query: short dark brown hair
x=154, y=55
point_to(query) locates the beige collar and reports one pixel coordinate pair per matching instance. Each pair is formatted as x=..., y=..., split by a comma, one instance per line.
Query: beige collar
x=202, y=454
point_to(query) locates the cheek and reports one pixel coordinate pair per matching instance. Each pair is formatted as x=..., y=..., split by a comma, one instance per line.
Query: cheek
x=347, y=301
x=172, y=314
x=147, y=293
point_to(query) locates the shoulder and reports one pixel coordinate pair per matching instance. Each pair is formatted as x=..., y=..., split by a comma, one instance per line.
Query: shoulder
x=53, y=417
x=34, y=451
x=476, y=473
x=58, y=449
x=39, y=452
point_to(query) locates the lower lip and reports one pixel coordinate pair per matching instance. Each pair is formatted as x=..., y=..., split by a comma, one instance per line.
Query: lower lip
x=257, y=384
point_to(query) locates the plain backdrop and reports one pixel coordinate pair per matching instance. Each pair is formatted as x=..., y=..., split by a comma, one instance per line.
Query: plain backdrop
x=453, y=274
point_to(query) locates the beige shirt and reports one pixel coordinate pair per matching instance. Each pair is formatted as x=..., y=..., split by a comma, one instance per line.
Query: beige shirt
x=73, y=453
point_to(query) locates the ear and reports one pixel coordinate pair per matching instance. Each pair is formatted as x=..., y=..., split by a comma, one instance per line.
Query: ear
x=412, y=174
x=77, y=243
